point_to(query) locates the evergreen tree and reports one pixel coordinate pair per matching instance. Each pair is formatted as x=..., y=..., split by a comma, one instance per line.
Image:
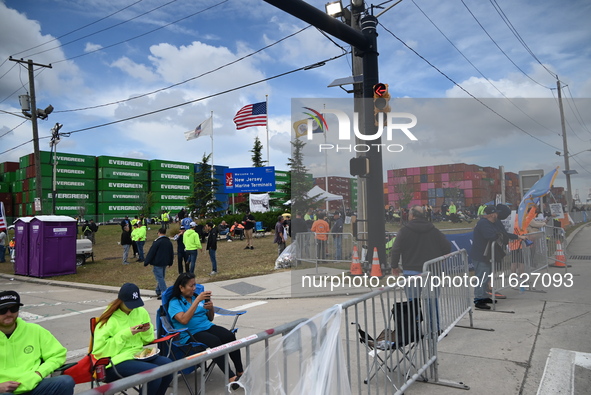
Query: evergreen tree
x=257, y=156
x=202, y=202
x=300, y=182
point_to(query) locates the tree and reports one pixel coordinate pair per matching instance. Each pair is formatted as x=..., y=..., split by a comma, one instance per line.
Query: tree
x=257, y=156
x=202, y=201
x=300, y=181
x=405, y=192
x=145, y=203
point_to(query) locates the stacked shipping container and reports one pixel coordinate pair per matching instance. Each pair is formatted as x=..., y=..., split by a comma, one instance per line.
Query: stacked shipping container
x=461, y=183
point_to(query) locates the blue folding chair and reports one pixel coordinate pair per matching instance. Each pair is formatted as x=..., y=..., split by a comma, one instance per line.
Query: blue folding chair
x=259, y=229
x=179, y=350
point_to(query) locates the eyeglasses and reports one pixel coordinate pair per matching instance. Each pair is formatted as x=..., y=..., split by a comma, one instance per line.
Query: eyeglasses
x=13, y=309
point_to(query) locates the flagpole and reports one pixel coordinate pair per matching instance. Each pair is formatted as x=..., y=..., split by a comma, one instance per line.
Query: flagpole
x=267, y=105
x=212, y=165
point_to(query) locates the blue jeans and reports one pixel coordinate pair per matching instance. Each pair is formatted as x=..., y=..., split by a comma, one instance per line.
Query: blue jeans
x=2, y=253
x=133, y=366
x=140, y=249
x=58, y=385
x=214, y=261
x=160, y=274
x=482, y=270
x=338, y=243
x=192, y=259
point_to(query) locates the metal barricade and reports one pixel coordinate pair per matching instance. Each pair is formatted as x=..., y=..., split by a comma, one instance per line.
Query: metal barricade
x=391, y=341
x=314, y=249
x=449, y=281
x=200, y=359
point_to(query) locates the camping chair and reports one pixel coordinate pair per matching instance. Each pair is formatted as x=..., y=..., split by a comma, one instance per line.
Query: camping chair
x=259, y=229
x=176, y=349
x=398, y=342
x=92, y=370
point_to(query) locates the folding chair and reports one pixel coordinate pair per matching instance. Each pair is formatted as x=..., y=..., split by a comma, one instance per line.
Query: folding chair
x=259, y=229
x=398, y=344
x=175, y=349
x=92, y=370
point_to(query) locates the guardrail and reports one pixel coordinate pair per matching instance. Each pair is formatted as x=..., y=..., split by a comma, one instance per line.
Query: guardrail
x=324, y=248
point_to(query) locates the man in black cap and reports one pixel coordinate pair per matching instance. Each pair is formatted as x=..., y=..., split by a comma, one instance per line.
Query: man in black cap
x=28, y=354
x=486, y=235
x=161, y=256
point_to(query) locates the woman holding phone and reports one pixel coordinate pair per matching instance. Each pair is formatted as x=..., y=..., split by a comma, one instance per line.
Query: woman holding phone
x=121, y=333
x=189, y=310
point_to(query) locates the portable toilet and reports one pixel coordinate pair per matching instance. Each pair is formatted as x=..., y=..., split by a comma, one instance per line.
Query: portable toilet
x=21, y=238
x=52, y=245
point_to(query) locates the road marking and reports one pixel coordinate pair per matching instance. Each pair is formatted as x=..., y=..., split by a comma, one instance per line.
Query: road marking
x=249, y=305
x=76, y=354
x=29, y=316
x=57, y=317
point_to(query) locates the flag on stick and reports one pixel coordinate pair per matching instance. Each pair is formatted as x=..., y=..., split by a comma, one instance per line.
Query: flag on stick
x=2, y=217
x=251, y=115
x=205, y=128
x=532, y=197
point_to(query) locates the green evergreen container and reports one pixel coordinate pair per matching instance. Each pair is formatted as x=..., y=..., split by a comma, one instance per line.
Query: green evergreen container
x=122, y=185
x=163, y=186
x=119, y=196
x=177, y=178
x=171, y=167
x=108, y=173
x=122, y=163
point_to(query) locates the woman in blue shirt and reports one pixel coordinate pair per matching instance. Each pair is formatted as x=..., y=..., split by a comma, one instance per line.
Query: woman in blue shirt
x=189, y=310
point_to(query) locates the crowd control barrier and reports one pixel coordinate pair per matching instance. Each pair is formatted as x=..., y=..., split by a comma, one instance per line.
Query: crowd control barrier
x=451, y=291
x=391, y=341
x=324, y=248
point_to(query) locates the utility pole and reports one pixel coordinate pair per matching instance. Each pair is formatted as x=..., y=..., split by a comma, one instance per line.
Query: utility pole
x=33, y=115
x=55, y=139
x=567, y=171
x=365, y=44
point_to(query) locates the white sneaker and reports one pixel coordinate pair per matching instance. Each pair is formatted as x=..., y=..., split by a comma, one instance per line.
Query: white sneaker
x=213, y=273
x=229, y=240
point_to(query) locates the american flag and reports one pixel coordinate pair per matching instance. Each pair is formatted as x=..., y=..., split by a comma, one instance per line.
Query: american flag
x=2, y=217
x=251, y=115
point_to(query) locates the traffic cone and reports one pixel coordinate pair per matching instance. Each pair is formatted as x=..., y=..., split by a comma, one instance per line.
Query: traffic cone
x=376, y=270
x=355, y=264
x=559, y=258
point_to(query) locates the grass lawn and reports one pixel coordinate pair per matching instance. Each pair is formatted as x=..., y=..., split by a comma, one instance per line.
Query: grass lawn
x=233, y=260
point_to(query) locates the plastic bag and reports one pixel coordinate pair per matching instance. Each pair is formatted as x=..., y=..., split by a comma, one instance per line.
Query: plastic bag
x=308, y=360
x=287, y=258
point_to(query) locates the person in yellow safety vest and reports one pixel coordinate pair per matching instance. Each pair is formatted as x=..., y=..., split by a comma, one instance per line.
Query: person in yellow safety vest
x=139, y=236
x=452, y=208
x=481, y=210
x=164, y=218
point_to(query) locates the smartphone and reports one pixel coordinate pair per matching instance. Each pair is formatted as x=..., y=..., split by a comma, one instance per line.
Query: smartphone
x=205, y=301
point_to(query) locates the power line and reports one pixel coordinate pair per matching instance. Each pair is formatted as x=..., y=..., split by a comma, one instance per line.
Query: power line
x=102, y=30
x=192, y=78
x=463, y=89
x=78, y=29
x=513, y=30
x=477, y=69
x=500, y=49
x=308, y=67
x=14, y=128
x=577, y=113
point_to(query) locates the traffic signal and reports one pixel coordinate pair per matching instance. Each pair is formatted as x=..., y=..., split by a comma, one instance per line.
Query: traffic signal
x=359, y=166
x=381, y=102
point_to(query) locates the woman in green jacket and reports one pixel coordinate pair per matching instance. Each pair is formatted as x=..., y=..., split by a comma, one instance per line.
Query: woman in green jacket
x=121, y=333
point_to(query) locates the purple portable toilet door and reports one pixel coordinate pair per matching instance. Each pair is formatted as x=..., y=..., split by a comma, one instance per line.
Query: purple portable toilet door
x=21, y=235
x=52, y=246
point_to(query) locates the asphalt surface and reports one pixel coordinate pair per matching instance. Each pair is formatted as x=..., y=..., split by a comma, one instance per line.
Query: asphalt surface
x=508, y=357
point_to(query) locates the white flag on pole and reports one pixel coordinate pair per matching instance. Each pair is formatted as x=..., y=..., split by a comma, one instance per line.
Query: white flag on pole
x=203, y=129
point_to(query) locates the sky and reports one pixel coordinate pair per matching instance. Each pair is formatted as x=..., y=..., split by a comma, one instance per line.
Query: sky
x=129, y=78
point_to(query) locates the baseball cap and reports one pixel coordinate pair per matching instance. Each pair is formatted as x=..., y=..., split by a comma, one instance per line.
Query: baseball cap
x=9, y=298
x=192, y=224
x=490, y=210
x=130, y=295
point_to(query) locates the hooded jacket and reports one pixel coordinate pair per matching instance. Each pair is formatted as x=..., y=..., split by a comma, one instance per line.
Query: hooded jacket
x=416, y=243
x=191, y=240
x=30, y=348
x=114, y=338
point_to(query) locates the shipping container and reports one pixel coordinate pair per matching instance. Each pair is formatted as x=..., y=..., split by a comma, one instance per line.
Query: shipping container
x=9, y=167
x=171, y=167
x=171, y=196
x=63, y=183
x=114, y=185
x=123, y=163
x=166, y=187
x=64, y=159
x=117, y=196
x=108, y=173
x=62, y=171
